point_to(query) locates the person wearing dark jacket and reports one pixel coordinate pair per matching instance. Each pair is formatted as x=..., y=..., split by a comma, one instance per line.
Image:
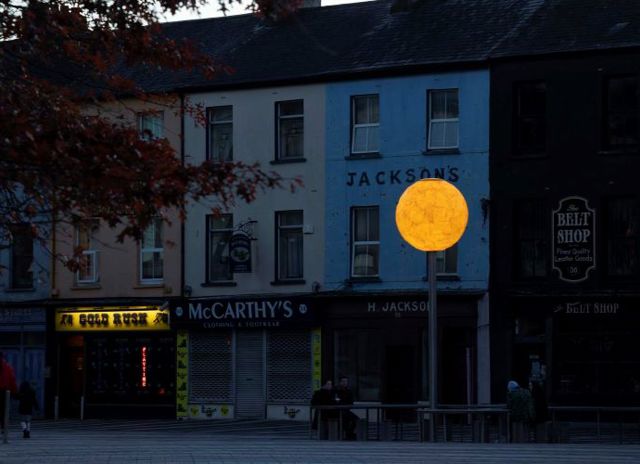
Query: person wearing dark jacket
x=7, y=382
x=323, y=397
x=344, y=396
x=27, y=404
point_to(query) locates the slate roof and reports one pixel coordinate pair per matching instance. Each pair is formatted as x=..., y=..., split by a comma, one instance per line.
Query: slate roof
x=325, y=43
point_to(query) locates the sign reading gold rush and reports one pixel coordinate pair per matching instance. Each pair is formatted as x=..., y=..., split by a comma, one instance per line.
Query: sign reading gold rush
x=244, y=313
x=574, y=239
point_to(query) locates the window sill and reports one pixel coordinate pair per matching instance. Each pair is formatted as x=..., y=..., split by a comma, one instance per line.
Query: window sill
x=362, y=156
x=149, y=285
x=445, y=278
x=95, y=286
x=441, y=151
x=619, y=151
x=226, y=283
x=289, y=282
x=364, y=280
x=288, y=161
x=19, y=290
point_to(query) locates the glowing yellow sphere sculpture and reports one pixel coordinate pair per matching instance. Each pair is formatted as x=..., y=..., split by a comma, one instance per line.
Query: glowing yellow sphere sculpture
x=432, y=215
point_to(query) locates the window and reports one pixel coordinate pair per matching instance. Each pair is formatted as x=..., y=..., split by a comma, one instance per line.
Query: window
x=530, y=118
x=365, y=242
x=220, y=229
x=447, y=261
x=359, y=354
x=151, y=125
x=152, y=253
x=443, y=119
x=88, y=270
x=21, y=256
x=621, y=118
x=623, y=233
x=289, y=245
x=220, y=133
x=531, y=239
x=365, y=124
x=290, y=125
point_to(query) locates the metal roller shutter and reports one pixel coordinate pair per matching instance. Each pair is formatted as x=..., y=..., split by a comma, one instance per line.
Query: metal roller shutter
x=289, y=366
x=210, y=367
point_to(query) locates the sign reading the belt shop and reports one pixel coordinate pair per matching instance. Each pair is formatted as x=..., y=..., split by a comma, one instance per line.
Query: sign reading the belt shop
x=573, y=239
x=112, y=318
x=245, y=313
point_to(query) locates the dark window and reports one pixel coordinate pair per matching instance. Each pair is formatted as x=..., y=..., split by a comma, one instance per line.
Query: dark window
x=530, y=118
x=444, y=114
x=365, y=242
x=621, y=118
x=21, y=256
x=623, y=231
x=358, y=355
x=220, y=229
x=220, y=135
x=290, y=123
x=531, y=239
x=289, y=245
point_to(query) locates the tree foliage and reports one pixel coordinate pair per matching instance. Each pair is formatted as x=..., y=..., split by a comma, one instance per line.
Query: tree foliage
x=61, y=157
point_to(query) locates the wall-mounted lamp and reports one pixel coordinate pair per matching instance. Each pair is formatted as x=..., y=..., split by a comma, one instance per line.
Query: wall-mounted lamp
x=187, y=291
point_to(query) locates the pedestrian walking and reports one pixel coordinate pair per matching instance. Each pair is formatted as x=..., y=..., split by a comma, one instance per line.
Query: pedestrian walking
x=27, y=404
x=520, y=406
x=7, y=382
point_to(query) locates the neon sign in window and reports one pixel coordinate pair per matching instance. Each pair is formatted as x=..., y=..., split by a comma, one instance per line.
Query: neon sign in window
x=143, y=365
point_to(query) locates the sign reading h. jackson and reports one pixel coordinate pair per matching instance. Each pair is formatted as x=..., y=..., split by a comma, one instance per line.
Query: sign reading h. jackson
x=573, y=239
x=244, y=313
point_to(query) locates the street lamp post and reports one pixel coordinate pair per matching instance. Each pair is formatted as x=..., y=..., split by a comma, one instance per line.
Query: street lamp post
x=432, y=215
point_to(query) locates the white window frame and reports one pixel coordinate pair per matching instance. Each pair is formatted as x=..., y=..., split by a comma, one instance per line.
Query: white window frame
x=158, y=118
x=89, y=255
x=211, y=125
x=444, y=257
x=355, y=243
x=279, y=229
x=279, y=152
x=432, y=120
x=153, y=250
x=355, y=126
x=211, y=231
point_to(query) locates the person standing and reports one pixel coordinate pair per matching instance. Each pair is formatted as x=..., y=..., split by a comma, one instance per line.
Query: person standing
x=322, y=397
x=7, y=382
x=28, y=403
x=344, y=396
x=520, y=406
x=541, y=411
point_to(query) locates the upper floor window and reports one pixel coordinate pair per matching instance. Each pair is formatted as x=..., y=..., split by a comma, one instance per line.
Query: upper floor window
x=151, y=125
x=220, y=133
x=623, y=236
x=365, y=124
x=152, y=253
x=621, y=112
x=220, y=229
x=21, y=256
x=530, y=114
x=290, y=126
x=289, y=262
x=447, y=261
x=365, y=241
x=85, y=240
x=531, y=239
x=443, y=119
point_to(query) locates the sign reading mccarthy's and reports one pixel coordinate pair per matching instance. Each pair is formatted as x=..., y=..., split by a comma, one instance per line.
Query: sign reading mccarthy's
x=244, y=313
x=573, y=239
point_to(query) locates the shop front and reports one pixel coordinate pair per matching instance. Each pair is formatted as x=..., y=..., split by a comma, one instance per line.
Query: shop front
x=583, y=349
x=380, y=343
x=247, y=358
x=115, y=361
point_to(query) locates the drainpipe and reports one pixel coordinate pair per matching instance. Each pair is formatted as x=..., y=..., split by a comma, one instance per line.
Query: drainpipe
x=182, y=226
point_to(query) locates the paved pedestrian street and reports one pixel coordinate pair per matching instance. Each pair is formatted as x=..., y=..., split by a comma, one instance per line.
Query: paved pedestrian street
x=102, y=442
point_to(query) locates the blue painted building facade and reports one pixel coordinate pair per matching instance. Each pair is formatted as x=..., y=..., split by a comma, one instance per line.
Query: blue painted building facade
x=376, y=330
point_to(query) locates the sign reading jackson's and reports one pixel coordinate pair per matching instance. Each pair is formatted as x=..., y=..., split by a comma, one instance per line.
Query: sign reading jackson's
x=573, y=239
x=244, y=313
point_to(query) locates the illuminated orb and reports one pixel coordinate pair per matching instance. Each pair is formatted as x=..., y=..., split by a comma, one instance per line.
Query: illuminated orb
x=431, y=215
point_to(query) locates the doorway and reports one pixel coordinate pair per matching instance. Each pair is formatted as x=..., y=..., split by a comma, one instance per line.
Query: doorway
x=71, y=375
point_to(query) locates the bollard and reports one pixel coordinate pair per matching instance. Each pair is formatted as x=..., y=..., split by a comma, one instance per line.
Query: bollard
x=56, y=407
x=5, y=419
x=82, y=408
